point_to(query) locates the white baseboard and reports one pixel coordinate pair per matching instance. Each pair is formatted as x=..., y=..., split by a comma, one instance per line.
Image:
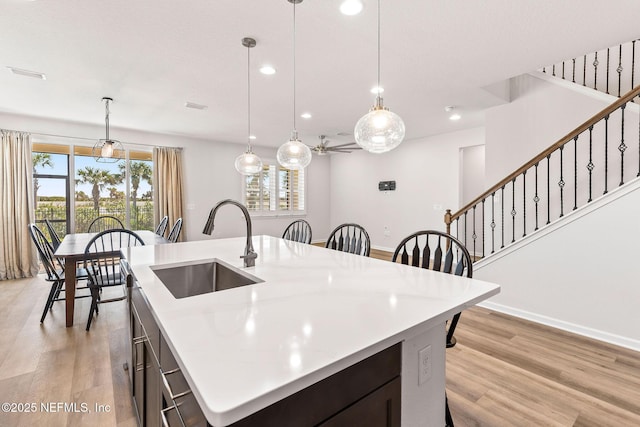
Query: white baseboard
x=565, y=326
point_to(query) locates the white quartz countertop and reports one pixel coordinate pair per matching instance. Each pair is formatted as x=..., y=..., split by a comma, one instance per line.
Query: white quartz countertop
x=316, y=312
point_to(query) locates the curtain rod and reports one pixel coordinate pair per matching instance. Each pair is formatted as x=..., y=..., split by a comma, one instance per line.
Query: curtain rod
x=84, y=139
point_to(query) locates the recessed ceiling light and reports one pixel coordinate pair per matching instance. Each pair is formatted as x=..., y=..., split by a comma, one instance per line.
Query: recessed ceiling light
x=195, y=106
x=267, y=69
x=377, y=89
x=351, y=7
x=305, y=115
x=455, y=116
x=27, y=73
x=252, y=137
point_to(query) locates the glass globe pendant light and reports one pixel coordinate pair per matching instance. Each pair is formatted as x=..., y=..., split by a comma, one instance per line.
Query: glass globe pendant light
x=380, y=130
x=293, y=154
x=248, y=163
x=107, y=150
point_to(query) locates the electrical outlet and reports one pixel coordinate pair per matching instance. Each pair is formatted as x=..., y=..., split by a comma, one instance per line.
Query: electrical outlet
x=437, y=207
x=387, y=232
x=424, y=361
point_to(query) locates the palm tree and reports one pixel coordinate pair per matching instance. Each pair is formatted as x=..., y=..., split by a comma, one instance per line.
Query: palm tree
x=39, y=159
x=137, y=171
x=98, y=178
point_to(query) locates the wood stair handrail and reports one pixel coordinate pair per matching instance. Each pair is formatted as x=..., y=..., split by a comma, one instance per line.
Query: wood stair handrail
x=450, y=217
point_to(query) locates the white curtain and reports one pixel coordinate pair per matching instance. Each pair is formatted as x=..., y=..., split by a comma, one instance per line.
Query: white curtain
x=167, y=179
x=18, y=257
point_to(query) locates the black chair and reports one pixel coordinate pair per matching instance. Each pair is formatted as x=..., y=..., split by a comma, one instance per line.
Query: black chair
x=298, y=231
x=174, y=233
x=53, y=268
x=352, y=238
x=105, y=222
x=417, y=250
x=162, y=226
x=55, y=239
x=103, y=264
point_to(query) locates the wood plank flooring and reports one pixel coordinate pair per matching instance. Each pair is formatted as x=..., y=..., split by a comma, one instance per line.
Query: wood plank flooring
x=49, y=364
x=504, y=371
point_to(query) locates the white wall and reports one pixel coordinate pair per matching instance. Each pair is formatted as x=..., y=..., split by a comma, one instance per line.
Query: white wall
x=210, y=175
x=472, y=169
x=426, y=172
x=539, y=114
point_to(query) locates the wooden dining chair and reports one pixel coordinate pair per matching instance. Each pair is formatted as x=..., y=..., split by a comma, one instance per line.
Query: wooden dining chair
x=438, y=251
x=349, y=237
x=174, y=233
x=298, y=231
x=162, y=226
x=53, y=268
x=102, y=262
x=105, y=222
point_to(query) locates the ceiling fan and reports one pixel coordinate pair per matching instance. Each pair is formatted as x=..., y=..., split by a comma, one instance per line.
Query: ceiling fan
x=323, y=147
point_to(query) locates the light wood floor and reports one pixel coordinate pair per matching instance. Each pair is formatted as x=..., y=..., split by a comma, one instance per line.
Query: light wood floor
x=504, y=371
x=49, y=363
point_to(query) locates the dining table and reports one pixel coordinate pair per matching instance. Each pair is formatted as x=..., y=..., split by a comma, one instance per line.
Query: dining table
x=72, y=249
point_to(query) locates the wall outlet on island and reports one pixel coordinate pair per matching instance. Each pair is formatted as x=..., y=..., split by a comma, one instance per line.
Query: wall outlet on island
x=424, y=368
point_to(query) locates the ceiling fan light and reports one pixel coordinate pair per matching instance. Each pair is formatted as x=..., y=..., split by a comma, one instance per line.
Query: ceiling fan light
x=248, y=163
x=379, y=131
x=294, y=155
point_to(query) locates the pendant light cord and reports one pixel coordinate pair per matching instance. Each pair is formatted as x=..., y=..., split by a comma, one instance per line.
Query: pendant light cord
x=248, y=98
x=378, y=50
x=295, y=132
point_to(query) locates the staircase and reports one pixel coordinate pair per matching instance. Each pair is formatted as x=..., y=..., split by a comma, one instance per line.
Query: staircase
x=560, y=232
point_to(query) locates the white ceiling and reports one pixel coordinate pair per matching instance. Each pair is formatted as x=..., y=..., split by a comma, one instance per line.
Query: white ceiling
x=153, y=56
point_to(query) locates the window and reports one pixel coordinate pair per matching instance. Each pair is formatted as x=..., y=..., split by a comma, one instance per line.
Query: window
x=51, y=187
x=85, y=189
x=275, y=190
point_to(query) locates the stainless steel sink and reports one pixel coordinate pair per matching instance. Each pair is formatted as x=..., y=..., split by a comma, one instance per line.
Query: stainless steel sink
x=201, y=277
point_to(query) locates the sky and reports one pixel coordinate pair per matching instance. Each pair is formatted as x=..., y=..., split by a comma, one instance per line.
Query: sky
x=55, y=187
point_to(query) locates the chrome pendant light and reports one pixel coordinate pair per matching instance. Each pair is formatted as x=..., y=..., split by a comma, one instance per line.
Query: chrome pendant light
x=248, y=163
x=380, y=130
x=293, y=154
x=107, y=150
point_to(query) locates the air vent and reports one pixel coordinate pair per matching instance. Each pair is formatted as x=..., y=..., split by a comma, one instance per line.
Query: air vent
x=195, y=106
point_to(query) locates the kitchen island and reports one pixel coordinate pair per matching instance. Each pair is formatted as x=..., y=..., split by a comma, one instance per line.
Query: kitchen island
x=313, y=314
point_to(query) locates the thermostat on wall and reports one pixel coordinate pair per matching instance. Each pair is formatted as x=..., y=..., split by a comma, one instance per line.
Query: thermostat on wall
x=387, y=185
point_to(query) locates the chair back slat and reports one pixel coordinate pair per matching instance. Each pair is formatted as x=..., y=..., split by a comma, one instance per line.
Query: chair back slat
x=426, y=254
x=162, y=226
x=349, y=237
x=415, y=256
x=448, y=260
x=437, y=257
x=405, y=255
x=174, y=233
